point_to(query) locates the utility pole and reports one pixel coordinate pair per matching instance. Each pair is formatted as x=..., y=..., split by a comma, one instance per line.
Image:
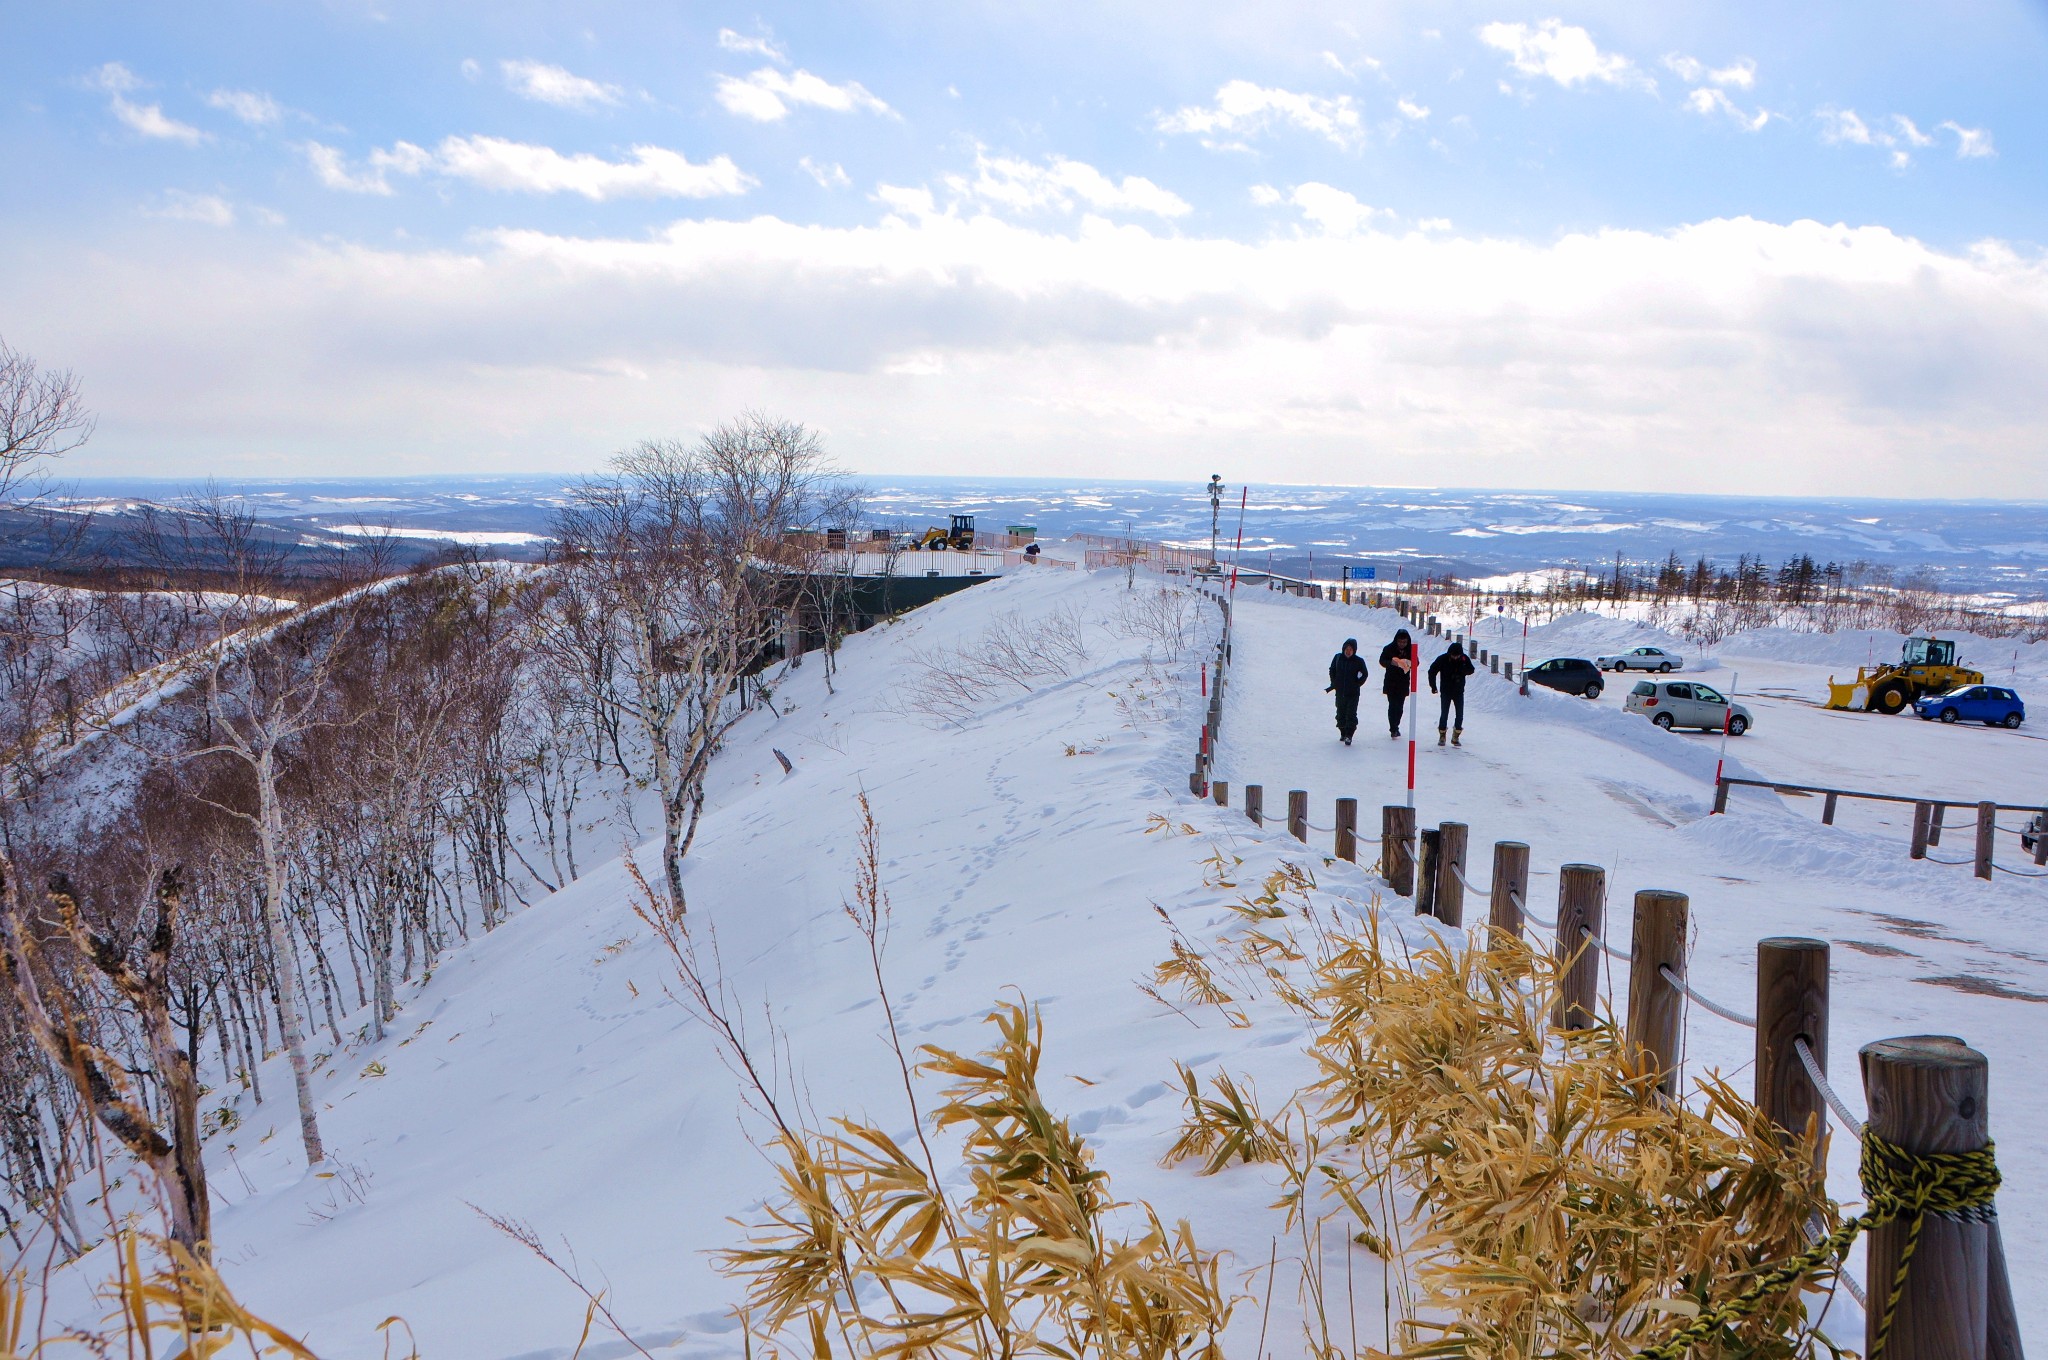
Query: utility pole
x=1215, y=511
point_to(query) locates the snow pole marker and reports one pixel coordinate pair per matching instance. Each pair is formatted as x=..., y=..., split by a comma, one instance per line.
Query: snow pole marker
x=1727, y=721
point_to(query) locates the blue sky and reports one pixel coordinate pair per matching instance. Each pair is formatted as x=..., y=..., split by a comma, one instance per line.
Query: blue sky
x=1682, y=248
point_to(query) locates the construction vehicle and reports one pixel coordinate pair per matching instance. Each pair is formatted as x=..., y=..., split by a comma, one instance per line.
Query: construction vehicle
x=960, y=537
x=1926, y=666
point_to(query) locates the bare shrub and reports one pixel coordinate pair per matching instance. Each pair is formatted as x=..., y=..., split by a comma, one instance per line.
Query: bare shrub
x=1164, y=615
x=1016, y=653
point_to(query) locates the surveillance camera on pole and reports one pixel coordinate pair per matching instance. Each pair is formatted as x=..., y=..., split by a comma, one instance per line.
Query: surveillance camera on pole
x=1215, y=511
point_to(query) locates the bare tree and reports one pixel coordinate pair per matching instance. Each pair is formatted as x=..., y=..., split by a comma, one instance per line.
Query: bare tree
x=42, y=416
x=263, y=689
x=146, y=986
x=692, y=553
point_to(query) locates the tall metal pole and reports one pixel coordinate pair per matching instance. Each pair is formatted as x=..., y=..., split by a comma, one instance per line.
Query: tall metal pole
x=1215, y=511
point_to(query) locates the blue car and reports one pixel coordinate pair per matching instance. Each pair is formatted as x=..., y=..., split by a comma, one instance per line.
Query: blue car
x=1987, y=704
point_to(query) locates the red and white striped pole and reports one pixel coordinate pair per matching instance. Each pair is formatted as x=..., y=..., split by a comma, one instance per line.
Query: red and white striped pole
x=1727, y=721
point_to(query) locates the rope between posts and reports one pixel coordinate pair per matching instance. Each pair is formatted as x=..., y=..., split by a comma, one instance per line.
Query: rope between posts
x=1586, y=932
x=1458, y=873
x=1675, y=980
x=1951, y=863
x=1897, y=1185
x=2017, y=873
x=1827, y=1092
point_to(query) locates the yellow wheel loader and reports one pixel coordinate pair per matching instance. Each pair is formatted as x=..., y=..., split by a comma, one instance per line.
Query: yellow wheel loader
x=959, y=537
x=1926, y=666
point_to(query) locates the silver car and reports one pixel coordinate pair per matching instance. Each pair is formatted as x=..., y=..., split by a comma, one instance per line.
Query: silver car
x=1642, y=659
x=1682, y=703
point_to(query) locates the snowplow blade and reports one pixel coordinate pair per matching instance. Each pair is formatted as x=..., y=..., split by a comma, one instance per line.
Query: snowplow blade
x=1855, y=694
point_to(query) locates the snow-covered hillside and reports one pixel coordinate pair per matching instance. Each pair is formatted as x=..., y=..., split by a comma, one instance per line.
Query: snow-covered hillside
x=545, y=1072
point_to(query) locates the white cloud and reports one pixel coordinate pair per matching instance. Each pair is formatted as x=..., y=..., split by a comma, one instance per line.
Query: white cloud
x=1243, y=110
x=210, y=209
x=1708, y=100
x=1412, y=110
x=147, y=120
x=545, y=84
x=251, y=106
x=767, y=95
x=1909, y=132
x=1061, y=185
x=1265, y=195
x=471, y=69
x=903, y=203
x=332, y=169
x=1336, y=212
x=519, y=167
x=1726, y=353
x=1563, y=52
x=732, y=41
x=1740, y=73
x=1845, y=126
x=1350, y=70
x=1971, y=142
x=829, y=174
x=652, y=172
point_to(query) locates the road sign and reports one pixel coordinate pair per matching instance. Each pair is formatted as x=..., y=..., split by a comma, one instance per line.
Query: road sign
x=1361, y=573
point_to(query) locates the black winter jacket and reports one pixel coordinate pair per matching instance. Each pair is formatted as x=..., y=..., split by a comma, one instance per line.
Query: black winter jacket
x=1450, y=670
x=1393, y=680
x=1347, y=673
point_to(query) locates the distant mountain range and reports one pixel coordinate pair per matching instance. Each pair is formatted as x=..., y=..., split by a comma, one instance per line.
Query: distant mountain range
x=1978, y=545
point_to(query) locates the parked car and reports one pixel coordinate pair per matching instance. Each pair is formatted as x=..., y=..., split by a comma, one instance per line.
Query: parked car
x=1988, y=704
x=1642, y=659
x=1681, y=703
x=1572, y=674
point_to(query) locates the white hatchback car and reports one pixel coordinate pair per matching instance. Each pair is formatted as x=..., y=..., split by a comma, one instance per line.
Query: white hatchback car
x=1642, y=659
x=1680, y=703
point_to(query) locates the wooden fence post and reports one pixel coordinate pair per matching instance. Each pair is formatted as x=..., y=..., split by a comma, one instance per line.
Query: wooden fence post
x=2041, y=840
x=1923, y=815
x=1929, y=1095
x=1656, y=1009
x=1827, y=810
x=1347, y=829
x=1221, y=789
x=1792, y=1004
x=1450, y=877
x=1934, y=823
x=1397, y=848
x=1255, y=803
x=1987, y=828
x=1195, y=781
x=1297, y=814
x=1581, y=894
x=1721, y=787
x=1510, y=887
x=1428, y=863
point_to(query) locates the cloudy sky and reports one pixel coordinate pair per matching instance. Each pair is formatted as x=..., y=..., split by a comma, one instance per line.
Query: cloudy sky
x=1749, y=246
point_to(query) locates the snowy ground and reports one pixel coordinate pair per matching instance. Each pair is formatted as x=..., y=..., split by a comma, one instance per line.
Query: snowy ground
x=543, y=1072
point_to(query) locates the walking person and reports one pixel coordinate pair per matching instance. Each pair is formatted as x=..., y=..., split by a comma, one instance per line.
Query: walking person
x=1397, y=674
x=1347, y=677
x=1447, y=679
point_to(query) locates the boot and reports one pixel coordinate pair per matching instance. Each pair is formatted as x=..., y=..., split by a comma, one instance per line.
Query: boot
x=1456, y=733
x=1439, y=736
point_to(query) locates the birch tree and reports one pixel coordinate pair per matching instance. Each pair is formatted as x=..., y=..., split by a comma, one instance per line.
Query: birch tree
x=693, y=552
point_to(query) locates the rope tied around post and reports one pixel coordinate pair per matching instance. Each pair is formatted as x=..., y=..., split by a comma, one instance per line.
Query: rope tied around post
x=1897, y=1185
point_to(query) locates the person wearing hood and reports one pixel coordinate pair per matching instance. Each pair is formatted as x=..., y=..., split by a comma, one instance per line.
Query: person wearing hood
x=1347, y=677
x=1397, y=674
x=1447, y=679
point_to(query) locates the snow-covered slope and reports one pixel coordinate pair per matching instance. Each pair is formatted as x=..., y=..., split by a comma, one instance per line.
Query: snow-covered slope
x=544, y=1072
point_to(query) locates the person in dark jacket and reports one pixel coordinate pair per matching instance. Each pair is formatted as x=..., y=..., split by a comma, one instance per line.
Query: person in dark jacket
x=1397, y=673
x=1447, y=678
x=1347, y=677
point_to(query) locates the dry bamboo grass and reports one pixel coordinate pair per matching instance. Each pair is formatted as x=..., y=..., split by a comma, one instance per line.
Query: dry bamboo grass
x=161, y=1290
x=865, y=1248
x=1532, y=1193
